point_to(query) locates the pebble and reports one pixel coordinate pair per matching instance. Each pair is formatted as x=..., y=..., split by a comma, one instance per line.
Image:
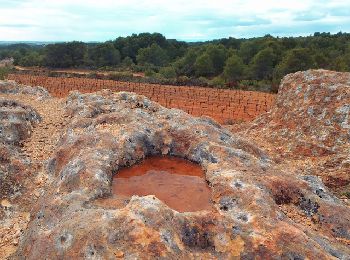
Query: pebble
x=6, y=204
x=36, y=193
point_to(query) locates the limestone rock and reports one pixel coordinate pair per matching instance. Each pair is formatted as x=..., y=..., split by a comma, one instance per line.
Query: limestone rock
x=16, y=124
x=11, y=87
x=311, y=115
x=259, y=211
x=268, y=202
x=311, y=120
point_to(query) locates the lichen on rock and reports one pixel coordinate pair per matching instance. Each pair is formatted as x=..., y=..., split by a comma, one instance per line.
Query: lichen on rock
x=310, y=122
x=263, y=206
x=108, y=131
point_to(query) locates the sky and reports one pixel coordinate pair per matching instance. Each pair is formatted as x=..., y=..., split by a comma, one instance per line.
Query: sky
x=188, y=20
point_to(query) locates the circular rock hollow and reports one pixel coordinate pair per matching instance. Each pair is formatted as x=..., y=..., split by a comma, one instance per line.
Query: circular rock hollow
x=177, y=182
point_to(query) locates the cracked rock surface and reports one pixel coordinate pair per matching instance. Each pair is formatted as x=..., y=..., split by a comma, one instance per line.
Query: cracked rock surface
x=263, y=207
x=309, y=126
x=23, y=113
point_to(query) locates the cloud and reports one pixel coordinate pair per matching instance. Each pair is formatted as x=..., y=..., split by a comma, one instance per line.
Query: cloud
x=195, y=20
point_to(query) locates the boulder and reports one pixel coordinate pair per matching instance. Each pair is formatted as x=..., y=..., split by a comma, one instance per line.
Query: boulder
x=310, y=122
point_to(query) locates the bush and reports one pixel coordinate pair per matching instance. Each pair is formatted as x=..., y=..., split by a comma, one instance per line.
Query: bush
x=168, y=72
x=4, y=71
x=149, y=73
x=257, y=85
x=120, y=76
x=217, y=82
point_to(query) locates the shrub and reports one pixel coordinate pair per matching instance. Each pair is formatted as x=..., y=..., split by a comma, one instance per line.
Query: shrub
x=256, y=85
x=217, y=82
x=168, y=72
x=149, y=73
x=4, y=71
x=122, y=76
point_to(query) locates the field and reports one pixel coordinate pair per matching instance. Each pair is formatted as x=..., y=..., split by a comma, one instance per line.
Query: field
x=225, y=106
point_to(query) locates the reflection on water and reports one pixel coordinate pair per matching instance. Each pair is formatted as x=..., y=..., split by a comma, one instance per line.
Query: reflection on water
x=177, y=182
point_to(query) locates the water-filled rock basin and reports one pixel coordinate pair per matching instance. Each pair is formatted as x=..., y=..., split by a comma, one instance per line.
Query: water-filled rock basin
x=177, y=182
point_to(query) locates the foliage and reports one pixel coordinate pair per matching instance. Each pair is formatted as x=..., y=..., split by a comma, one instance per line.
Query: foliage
x=234, y=69
x=120, y=76
x=4, y=71
x=65, y=55
x=104, y=54
x=153, y=55
x=168, y=72
x=185, y=65
x=204, y=66
x=127, y=62
x=295, y=60
x=258, y=85
x=261, y=61
x=217, y=82
x=218, y=55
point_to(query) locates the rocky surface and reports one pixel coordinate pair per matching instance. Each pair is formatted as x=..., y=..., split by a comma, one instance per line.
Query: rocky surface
x=310, y=125
x=266, y=206
x=24, y=112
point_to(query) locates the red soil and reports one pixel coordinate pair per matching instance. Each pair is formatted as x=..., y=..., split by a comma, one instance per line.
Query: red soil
x=223, y=105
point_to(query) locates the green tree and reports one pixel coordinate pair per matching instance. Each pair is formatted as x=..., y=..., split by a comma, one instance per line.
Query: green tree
x=295, y=60
x=234, y=69
x=218, y=56
x=32, y=58
x=64, y=55
x=263, y=64
x=342, y=63
x=104, y=54
x=154, y=55
x=127, y=62
x=185, y=65
x=248, y=50
x=321, y=60
x=204, y=66
x=129, y=46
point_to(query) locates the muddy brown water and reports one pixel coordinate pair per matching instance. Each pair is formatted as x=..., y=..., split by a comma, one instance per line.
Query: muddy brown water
x=177, y=182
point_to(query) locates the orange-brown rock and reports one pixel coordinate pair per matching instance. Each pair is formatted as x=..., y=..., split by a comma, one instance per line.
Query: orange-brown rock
x=263, y=206
x=109, y=131
x=310, y=122
x=17, y=121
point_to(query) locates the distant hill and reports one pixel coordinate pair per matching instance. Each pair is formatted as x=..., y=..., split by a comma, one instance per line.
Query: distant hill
x=33, y=43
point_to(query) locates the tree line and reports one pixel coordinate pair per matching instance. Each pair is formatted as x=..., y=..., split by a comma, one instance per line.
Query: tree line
x=257, y=63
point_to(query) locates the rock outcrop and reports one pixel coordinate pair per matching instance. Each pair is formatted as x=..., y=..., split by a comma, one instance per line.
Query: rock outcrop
x=11, y=87
x=108, y=131
x=21, y=175
x=263, y=206
x=311, y=120
x=16, y=124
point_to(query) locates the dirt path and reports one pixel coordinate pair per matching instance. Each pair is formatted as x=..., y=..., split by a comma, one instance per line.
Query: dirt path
x=41, y=144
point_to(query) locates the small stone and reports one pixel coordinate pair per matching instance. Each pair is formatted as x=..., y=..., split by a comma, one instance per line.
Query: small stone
x=119, y=254
x=6, y=204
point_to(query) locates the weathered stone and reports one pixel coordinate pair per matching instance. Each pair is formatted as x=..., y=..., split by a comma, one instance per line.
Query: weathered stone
x=311, y=121
x=266, y=205
x=108, y=131
x=11, y=87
